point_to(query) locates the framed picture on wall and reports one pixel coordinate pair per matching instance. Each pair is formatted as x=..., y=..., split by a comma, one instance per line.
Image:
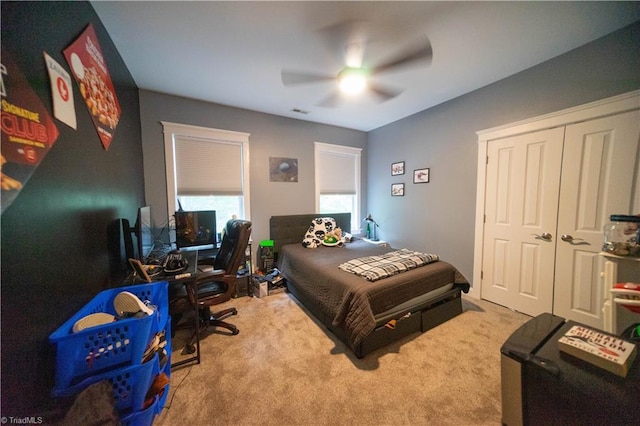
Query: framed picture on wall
x=397, y=189
x=397, y=168
x=421, y=176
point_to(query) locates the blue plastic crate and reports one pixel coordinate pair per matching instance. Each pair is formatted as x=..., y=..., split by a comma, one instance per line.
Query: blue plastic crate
x=130, y=384
x=117, y=344
x=145, y=417
x=141, y=418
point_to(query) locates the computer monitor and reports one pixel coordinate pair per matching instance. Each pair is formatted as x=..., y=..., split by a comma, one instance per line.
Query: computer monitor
x=144, y=233
x=196, y=229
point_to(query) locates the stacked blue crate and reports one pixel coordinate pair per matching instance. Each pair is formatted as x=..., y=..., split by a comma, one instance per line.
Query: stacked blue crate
x=114, y=352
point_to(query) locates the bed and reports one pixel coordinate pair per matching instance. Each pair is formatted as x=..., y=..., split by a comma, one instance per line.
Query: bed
x=364, y=315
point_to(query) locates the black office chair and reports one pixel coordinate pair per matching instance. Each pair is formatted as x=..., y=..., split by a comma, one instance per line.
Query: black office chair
x=215, y=287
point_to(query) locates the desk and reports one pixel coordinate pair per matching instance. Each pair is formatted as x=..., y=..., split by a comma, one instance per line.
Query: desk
x=176, y=280
x=190, y=281
x=186, y=278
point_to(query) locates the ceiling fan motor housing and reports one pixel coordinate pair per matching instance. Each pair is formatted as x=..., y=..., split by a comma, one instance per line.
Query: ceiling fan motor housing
x=353, y=80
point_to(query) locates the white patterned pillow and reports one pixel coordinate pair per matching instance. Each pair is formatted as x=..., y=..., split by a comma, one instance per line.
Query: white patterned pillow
x=320, y=226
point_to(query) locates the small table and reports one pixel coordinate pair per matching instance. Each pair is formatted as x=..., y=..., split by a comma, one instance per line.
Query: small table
x=380, y=243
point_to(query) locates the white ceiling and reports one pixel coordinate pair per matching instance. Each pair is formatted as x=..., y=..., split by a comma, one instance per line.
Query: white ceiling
x=232, y=53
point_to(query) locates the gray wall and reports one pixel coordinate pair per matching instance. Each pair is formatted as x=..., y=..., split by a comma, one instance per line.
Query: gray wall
x=270, y=136
x=438, y=217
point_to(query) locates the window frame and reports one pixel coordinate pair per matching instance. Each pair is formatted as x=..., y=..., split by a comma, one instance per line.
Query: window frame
x=172, y=131
x=354, y=152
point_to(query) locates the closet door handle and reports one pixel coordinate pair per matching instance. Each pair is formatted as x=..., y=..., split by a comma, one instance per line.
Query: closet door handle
x=568, y=238
x=545, y=236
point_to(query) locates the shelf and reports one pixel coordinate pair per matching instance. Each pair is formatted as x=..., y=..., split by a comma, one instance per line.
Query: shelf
x=380, y=243
x=614, y=256
x=630, y=302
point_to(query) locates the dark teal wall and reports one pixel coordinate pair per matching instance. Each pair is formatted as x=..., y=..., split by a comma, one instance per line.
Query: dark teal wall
x=54, y=235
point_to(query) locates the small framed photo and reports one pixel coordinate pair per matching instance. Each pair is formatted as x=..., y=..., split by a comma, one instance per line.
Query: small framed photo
x=397, y=168
x=397, y=189
x=138, y=267
x=421, y=176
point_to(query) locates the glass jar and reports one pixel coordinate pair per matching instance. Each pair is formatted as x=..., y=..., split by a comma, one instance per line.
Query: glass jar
x=622, y=236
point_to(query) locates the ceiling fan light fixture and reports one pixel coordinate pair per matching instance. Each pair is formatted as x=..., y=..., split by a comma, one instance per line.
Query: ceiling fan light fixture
x=352, y=80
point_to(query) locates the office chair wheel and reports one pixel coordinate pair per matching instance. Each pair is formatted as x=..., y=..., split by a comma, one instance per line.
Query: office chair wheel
x=234, y=332
x=189, y=349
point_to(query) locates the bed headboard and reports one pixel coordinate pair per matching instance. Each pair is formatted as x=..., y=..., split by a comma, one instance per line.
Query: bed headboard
x=290, y=229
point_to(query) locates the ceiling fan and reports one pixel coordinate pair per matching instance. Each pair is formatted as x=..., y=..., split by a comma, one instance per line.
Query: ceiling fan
x=355, y=77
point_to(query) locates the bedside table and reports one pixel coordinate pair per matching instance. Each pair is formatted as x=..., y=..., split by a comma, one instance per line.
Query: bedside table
x=380, y=243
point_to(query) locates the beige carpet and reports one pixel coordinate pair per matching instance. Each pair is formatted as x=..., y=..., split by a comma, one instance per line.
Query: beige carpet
x=284, y=368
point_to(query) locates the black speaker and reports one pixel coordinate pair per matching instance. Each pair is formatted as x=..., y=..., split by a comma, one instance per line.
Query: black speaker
x=128, y=240
x=120, y=247
x=267, y=257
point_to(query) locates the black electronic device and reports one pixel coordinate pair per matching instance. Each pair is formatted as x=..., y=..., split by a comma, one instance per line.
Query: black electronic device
x=143, y=230
x=117, y=241
x=267, y=258
x=128, y=240
x=144, y=233
x=183, y=264
x=196, y=229
x=175, y=262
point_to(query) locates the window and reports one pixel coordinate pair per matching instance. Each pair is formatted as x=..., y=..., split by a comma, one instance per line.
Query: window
x=207, y=169
x=338, y=181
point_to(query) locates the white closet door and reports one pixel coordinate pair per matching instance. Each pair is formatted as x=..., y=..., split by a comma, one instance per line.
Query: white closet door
x=598, y=166
x=521, y=207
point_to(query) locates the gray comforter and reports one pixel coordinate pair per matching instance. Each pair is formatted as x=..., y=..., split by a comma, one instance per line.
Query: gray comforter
x=351, y=301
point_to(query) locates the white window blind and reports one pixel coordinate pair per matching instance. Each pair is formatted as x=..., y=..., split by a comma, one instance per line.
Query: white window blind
x=336, y=175
x=206, y=167
x=338, y=180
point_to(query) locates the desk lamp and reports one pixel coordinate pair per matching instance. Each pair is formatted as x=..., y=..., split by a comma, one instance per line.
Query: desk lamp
x=372, y=235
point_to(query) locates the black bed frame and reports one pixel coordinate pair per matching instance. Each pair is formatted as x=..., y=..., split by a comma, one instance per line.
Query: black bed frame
x=423, y=316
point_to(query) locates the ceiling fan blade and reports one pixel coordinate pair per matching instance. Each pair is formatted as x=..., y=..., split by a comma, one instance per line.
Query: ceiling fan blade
x=331, y=101
x=346, y=40
x=292, y=78
x=384, y=93
x=424, y=52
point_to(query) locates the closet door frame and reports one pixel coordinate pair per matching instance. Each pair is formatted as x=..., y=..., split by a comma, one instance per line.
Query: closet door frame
x=602, y=108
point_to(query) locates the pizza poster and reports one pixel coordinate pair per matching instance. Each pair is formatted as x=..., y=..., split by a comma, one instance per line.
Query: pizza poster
x=89, y=69
x=28, y=131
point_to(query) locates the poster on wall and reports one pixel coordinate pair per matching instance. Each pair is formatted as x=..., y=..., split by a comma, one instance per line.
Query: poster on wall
x=61, y=92
x=28, y=131
x=283, y=169
x=90, y=71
